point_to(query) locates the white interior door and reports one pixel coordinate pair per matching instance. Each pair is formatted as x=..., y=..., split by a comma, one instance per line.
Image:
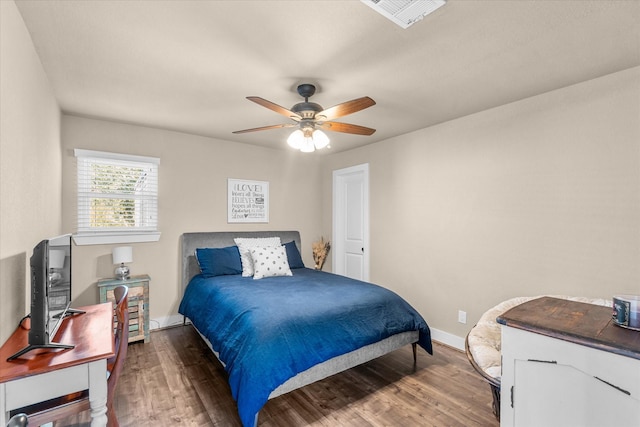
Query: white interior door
x=351, y=222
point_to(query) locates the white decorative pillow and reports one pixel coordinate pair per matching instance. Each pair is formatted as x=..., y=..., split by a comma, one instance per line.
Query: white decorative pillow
x=269, y=262
x=244, y=244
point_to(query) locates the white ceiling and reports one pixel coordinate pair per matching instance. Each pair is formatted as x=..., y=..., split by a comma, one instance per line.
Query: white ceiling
x=188, y=65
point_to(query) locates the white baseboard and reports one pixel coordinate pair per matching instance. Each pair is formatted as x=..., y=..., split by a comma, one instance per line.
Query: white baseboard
x=165, y=322
x=447, y=339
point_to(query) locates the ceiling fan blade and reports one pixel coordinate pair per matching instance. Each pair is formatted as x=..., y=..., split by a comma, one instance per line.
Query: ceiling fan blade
x=287, y=125
x=345, y=108
x=274, y=107
x=346, y=128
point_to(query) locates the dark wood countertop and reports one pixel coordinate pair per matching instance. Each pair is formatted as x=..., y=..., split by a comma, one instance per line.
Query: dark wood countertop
x=580, y=323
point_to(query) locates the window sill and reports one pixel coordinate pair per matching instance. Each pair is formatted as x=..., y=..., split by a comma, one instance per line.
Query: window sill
x=115, y=238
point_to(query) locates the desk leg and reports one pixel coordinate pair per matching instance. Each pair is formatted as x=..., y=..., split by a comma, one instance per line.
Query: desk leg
x=3, y=399
x=98, y=392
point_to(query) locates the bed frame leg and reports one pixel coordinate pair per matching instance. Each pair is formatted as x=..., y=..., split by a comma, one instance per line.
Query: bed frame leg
x=414, y=346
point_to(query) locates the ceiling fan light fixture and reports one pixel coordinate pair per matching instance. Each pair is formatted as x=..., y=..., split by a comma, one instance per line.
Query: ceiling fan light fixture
x=310, y=116
x=307, y=140
x=308, y=146
x=320, y=139
x=296, y=139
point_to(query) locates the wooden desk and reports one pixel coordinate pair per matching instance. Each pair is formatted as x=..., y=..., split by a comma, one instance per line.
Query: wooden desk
x=44, y=374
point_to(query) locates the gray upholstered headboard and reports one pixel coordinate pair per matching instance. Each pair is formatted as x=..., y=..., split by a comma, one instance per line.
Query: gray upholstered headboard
x=192, y=241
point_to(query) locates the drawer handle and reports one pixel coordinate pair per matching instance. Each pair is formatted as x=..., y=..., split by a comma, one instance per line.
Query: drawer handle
x=512, y=396
x=553, y=362
x=614, y=386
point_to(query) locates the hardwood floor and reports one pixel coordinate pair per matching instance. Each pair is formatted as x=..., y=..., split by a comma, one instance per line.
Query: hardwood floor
x=175, y=380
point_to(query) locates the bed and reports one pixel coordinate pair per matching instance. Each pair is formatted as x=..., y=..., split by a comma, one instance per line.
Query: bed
x=278, y=334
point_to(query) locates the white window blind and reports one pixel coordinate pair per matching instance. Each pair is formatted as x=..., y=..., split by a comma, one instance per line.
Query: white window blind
x=117, y=194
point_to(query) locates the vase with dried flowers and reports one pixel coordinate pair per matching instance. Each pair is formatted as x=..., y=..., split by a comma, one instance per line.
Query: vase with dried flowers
x=320, y=251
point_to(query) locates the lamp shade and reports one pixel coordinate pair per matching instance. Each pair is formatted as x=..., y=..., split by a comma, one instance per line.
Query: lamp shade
x=320, y=139
x=296, y=139
x=308, y=141
x=122, y=254
x=56, y=258
x=307, y=146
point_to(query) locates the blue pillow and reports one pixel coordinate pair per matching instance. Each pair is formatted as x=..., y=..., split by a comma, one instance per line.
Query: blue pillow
x=293, y=255
x=219, y=261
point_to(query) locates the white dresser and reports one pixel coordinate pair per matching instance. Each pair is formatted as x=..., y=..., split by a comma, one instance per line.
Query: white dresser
x=565, y=363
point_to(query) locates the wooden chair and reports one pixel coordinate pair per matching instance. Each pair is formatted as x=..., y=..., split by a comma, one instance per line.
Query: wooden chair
x=77, y=402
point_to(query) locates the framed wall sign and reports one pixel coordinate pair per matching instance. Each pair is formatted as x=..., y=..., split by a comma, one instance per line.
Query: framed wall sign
x=248, y=201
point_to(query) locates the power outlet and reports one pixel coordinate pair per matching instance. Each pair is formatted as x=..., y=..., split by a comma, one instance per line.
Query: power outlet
x=462, y=316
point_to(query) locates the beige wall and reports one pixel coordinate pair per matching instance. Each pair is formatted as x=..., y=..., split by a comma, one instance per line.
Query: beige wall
x=540, y=196
x=193, y=197
x=30, y=183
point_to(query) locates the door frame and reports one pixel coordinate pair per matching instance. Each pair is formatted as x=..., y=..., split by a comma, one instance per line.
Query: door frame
x=338, y=217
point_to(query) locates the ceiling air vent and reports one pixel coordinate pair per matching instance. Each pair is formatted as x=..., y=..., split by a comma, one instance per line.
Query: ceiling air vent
x=404, y=12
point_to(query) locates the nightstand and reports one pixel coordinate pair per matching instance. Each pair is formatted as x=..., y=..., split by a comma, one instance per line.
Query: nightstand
x=138, y=303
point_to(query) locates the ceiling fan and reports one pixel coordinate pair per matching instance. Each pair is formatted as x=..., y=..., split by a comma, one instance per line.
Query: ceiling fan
x=310, y=118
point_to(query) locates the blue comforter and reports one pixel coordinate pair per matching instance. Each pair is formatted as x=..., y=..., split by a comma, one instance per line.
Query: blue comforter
x=267, y=331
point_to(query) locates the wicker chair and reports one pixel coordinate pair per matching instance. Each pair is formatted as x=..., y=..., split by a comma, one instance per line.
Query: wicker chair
x=78, y=402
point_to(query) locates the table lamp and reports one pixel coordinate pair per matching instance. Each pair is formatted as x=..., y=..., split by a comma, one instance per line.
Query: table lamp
x=122, y=255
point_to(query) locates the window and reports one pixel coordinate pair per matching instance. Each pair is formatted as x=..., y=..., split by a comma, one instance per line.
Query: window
x=117, y=198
